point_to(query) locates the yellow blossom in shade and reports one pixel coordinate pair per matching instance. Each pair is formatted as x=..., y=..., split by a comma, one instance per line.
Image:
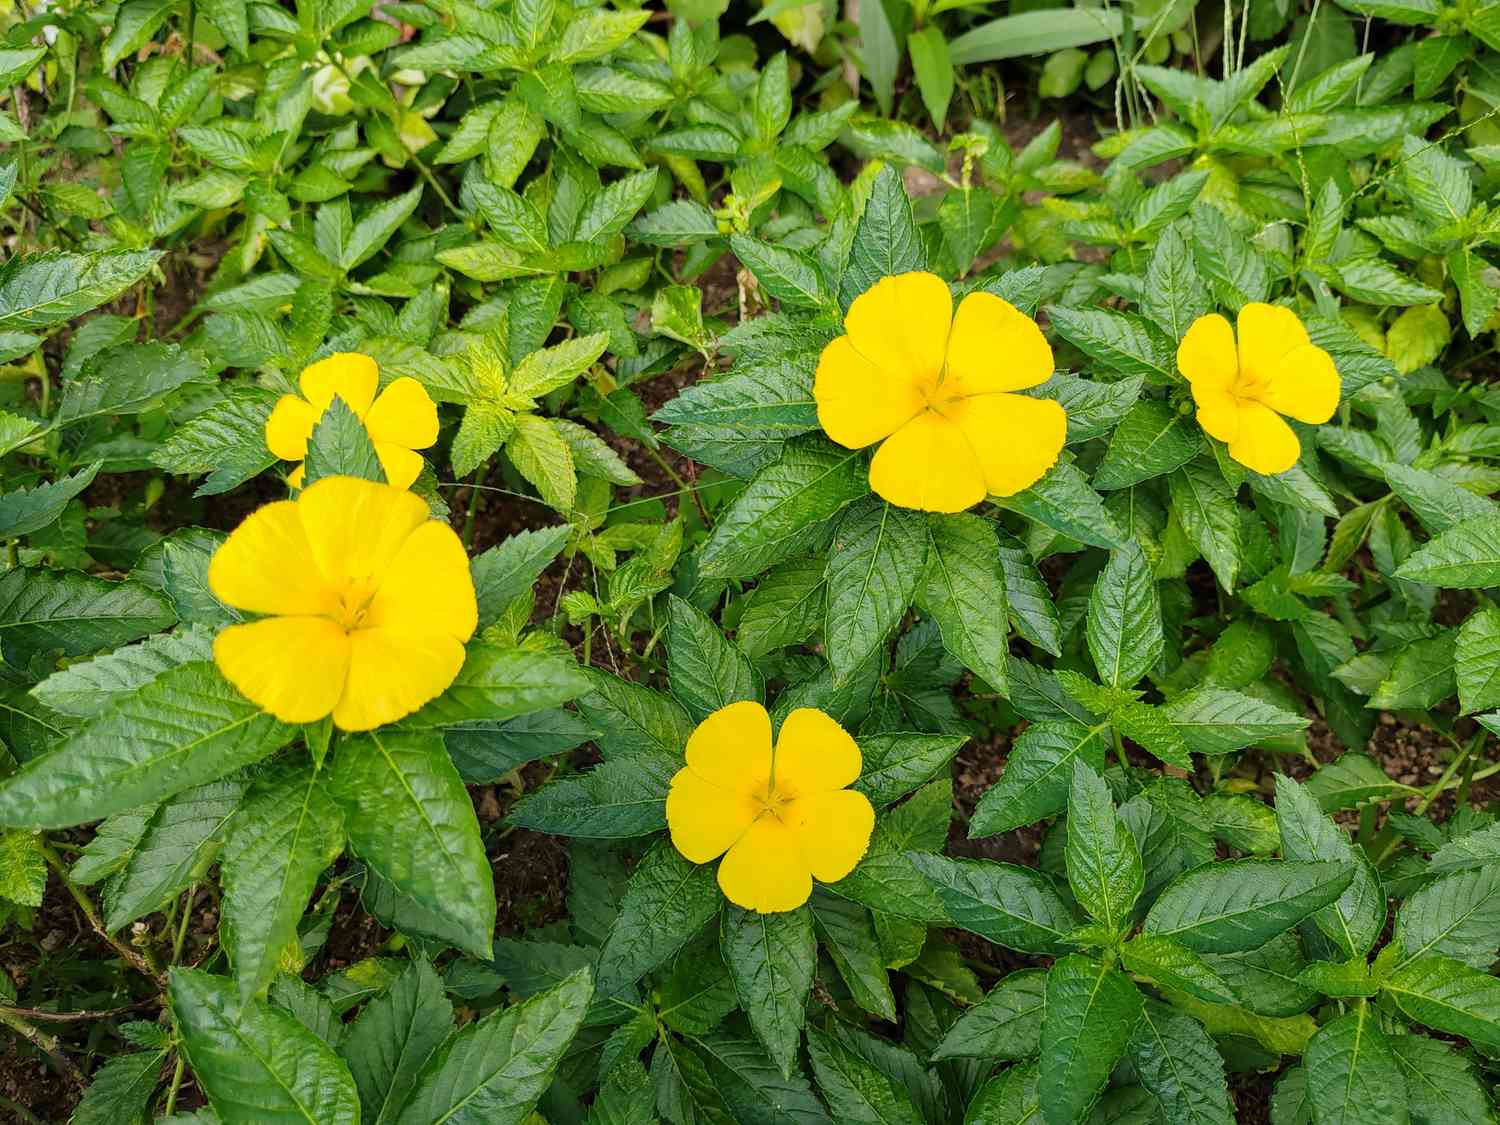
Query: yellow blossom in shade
x=780, y=817
x=402, y=418
x=934, y=387
x=1243, y=388
x=367, y=604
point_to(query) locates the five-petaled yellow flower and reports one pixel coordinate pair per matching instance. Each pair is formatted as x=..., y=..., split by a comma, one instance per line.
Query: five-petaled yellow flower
x=368, y=603
x=783, y=816
x=934, y=387
x=403, y=418
x=1242, y=392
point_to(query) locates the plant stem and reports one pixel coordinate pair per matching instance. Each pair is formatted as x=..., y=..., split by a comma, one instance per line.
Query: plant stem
x=131, y=957
x=44, y=1043
x=182, y=925
x=177, y=1072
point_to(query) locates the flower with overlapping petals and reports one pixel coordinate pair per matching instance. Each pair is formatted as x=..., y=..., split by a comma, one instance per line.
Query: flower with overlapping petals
x=1243, y=387
x=401, y=419
x=781, y=817
x=367, y=604
x=936, y=389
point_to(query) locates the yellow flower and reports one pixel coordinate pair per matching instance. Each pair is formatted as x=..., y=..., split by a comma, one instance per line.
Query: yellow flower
x=1242, y=393
x=933, y=386
x=402, y=419
x=783, y=815
x=368, y=604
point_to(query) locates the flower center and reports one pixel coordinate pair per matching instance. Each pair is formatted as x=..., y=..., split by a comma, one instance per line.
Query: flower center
x=775, y=801
x=941, y=397
x=1247, y=385
x=354, y=602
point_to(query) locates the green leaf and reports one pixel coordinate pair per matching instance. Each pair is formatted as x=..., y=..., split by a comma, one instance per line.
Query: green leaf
x=1442, y=1086
x=181, y=839
x=128, y=380
x=1176, y=1060
x=1352, y=780
x=1028, y=599
x=1124, y=628
x=791, y=277
x=1091, y=1013
x=778, y=513
x=548, y=369
x=1103, y=860
x=499, y=682
x=62, y=611
x=848, y=934
x=667, y=902
x=895, y=764
x=39, y=290
x=185, y=728
x=614, y=800
x=1175, y=966
x=255, y=1062
x=227, y=441
x=1038, y=773
x=630, y=718
x=1352, y=1076
x=511, y=568
x=1210, y=518
x=286, y=833
x=885, y=243
x=393, y=1036
x=1151, y=440
x=1355, y=920
x=1447, y=995
x=1129, y=346
x=1035, y=33
x=771, y=959
x=1435, y=500
x=874, y=566
x=855, y=1090
x=120, y=1090
x=963, y=590
x=541, y=456
x=786, y=606
x=340, y=446
x=933, y=71
x=1012, y=906
x=1456, y=915
x=1064, y=501
x=86, y=687
x=1215, y=720
x=1006, y=1024
x=1465, y=557
x=25, y=510
x=375, y=228
x=494, y=1070
x=1010, y=1098
x=411, y=821
x=1232, y=906
x=1476, y=660
x=707, y=672
x=23, y=867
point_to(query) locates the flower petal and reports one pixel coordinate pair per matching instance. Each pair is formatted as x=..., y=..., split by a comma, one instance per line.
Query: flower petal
x=813, y=754
x=705, y=820
x=901, y=323
x=401, y=466
x=859, y=402
x=1305, y=386
x=994, y=346
x=766, y=870
x=355, y=527
x=732, y=748
x=295, y=477
x=1266, y=334
x=1218, y=412
x=835, y=831
x=427, y=587
x=289, y=426
x=392, y=674
x=1015, y=439
x=1206, y=356
x=267, y=565
x=1265, y=443
x=293, y=667
x=350, y=375
x=404, y=414
x=928, y=465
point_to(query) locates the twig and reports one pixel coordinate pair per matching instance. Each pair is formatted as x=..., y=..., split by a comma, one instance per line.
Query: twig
x=132, y=958
x=46, y=1044
x=72, y=1017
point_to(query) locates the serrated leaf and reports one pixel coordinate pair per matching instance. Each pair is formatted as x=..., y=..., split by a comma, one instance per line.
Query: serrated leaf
x=1038, y=773
x=963, y=589
x=62, y=611
x=1124, y=627
x=1151, y=440
x=707, y=672
x=494, y=1070
x=1465, y=557
x=1232, y=906
x=771, y=959
x=874, y=566
x=393, y=1036
x=256, y=1063
x=1357, y=917
x=1352, y=1076
x=1457, y=915
x=1176, y=1060
x=886, y=241
x=39, y=290
x=185, y=728
x=1102, y=858
x=1012, y=906
x=1006, y=1024
x=410, y=819
x=1091, y=1013
x=855, y=1090
x=667, y=902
